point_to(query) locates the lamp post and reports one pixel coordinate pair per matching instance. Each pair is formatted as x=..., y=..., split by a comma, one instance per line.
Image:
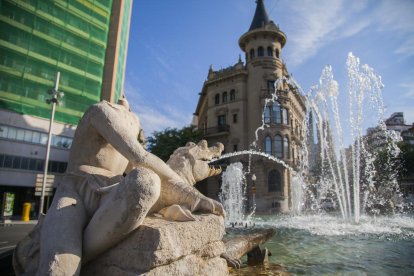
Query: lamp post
x=54, y=100
x=254, y=191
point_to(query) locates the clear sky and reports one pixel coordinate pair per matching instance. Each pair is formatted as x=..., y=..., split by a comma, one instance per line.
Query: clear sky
x=173, y=43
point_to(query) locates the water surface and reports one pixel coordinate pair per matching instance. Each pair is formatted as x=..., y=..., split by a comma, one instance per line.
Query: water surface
x=325, y=245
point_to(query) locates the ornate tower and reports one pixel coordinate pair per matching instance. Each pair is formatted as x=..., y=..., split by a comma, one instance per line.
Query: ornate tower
x=262, y=45
x=282, y=135
x=231, y=108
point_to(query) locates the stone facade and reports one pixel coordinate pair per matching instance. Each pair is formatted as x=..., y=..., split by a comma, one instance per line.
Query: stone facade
x=231, y=108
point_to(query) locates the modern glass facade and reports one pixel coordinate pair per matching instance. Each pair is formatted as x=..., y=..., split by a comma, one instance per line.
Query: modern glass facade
x=39, y=38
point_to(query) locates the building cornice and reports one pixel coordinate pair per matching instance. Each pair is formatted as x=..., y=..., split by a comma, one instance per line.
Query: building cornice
x=270, y=30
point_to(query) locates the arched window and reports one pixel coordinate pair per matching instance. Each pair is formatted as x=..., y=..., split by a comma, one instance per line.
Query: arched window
x=269, y=51
x=217, y=99
x=267, y=115
x=286, y=147
x=274, y=182
x=271, y=85
x=277, y=113
x=225, y=97
x=285, y=116
x=232, y=95
x=278, y=146
x=268, y=145
x=277, y=53
x=251, y=54
x=260, y=51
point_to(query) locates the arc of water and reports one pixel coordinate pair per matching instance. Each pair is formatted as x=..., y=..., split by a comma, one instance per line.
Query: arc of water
x=258, y=153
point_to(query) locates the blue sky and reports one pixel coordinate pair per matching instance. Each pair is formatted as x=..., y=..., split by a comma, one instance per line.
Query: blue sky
x=173, y=43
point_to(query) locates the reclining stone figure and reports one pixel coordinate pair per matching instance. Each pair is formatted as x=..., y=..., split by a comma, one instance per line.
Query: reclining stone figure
x=191, y=164
x=95, y=207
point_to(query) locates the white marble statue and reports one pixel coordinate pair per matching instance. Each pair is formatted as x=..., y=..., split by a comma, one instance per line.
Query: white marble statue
x=95, y=207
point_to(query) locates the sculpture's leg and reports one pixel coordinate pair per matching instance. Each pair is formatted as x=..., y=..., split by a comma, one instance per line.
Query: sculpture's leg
x=121, y=211
x=61, y=234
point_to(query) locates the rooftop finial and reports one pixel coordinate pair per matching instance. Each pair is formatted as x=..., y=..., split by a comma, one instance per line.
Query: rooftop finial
x=260, y=18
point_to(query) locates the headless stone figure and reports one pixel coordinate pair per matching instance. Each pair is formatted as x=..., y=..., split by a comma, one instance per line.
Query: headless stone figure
x=94, y=207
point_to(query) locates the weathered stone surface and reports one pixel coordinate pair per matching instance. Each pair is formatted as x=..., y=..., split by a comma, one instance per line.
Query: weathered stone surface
x=238, y=246
x=192, y=265
x=95, y=207
x=160, y=247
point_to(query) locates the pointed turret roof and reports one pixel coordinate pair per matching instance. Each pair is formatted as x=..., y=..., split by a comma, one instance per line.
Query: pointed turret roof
x=261, y=24
x=260, y=18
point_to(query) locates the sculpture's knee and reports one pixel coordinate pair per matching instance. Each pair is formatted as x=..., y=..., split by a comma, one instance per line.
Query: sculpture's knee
x=144, y=186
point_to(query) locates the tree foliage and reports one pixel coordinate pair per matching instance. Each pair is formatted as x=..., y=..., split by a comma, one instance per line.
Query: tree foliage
x=407, y=156
x=163, y=143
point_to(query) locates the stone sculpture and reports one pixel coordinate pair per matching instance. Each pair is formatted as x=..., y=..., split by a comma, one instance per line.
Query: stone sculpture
x=95, y=208
x=240, y=244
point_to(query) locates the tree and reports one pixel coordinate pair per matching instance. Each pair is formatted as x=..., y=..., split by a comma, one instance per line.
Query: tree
x=163, y=143
x=407, y=156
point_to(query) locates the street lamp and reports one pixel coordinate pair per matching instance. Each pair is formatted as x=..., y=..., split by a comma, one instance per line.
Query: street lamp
x=254, y=191
x=54, y=100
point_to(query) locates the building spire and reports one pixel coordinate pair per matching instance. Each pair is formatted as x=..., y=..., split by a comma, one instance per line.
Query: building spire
x=260, y=18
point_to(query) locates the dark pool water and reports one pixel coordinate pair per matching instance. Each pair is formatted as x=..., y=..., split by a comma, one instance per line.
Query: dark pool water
x=325, y=245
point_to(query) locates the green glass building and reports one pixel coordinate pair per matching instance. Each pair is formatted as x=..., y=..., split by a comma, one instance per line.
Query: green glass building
x=85, y=40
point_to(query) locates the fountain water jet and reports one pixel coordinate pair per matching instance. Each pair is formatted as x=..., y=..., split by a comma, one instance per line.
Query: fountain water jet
x=233, y=192
x=364, y=99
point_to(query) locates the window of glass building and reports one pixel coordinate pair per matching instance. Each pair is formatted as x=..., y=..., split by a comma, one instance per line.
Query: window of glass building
x=32, y=136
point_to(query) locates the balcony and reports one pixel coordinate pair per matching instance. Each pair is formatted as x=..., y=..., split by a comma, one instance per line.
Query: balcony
x=218, y=130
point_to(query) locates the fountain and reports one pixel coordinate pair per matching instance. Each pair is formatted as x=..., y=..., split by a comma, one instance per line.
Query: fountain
x=350, y=176
x=365, y=233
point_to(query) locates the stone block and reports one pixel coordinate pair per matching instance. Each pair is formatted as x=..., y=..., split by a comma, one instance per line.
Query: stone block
x=161, y=247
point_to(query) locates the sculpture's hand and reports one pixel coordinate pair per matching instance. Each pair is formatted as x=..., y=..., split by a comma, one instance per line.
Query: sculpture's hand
x=206, y=204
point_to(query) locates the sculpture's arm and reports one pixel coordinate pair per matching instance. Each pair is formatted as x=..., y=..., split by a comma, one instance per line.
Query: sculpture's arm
x=116, y=130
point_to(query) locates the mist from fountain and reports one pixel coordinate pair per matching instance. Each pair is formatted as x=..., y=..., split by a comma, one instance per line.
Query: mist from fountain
x=351, y=173
x=233, y=192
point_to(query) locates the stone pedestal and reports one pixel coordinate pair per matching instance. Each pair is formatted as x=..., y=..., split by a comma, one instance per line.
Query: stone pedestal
x=160, y=247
